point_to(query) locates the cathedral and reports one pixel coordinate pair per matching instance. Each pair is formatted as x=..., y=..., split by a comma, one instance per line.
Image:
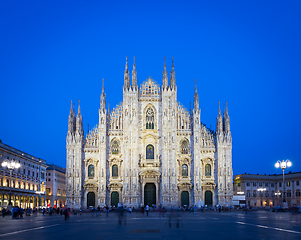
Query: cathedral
x=149, y=149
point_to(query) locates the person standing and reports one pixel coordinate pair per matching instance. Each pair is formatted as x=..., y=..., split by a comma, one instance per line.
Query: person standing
x=107, y=210
x=195, y=208
x=146, y=209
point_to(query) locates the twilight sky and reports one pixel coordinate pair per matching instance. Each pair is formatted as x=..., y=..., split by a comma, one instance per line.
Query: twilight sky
x=245, y=52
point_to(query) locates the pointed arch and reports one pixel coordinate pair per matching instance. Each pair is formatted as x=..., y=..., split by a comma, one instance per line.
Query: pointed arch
x=150, y=117
x=115, y=146
x=184, y=146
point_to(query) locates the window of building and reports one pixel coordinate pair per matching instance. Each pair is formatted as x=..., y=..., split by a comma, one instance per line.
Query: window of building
x=272, y=185
x=47, y=191
x=280, y=185
x=49, y=179
x=33, y=174
x=298, y=193
x=260, y=184
x=207, y=170
x=42, y=175
x=288, y=184
x=248, y=194
x=115, y=147
x=266, y=184
x=114, y=170
x=150, y=118
x=289, y=194
x=64, y=193
x=28, y=172
x=248, y=184
x=59, y=192
x=149, y=151
x=238, y=184
x=184, y=147
x=184, y=170
x=24, y=171
x=37, y=175
x=254, y=184
x=267, y=194
x=254, y=194
x=91, y=171
x=297, y=183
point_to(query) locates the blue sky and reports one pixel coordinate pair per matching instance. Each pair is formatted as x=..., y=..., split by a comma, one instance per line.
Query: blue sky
x=244, y=52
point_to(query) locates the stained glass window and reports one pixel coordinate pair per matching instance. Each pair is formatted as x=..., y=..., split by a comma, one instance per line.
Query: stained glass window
x=91, y=171
x=207, y=170
x=184, y=170
x=115, y=147
x=114, y=170
x=149, y=151
x=184, y=147
x=150, y=118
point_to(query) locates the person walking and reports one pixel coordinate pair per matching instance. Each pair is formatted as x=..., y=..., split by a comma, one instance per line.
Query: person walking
x=107, y=210
x=195, y=209
x=146, y=209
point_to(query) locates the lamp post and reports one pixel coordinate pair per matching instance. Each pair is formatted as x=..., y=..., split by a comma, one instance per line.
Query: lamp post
x=11, y=165
x=278, y=194
x=283, y=165
x=261, y=190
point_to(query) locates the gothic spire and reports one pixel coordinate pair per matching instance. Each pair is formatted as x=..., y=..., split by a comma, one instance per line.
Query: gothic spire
x=172, y=76
x=78, y=110
x=134, y=75
x=219, y=121
x=226, y=119
x=103, y=97
x=126, y=75
x=196, y=97
x=165, y=78
x=79, y=121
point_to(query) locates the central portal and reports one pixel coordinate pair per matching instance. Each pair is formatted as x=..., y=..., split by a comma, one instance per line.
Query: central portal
x=149, y=194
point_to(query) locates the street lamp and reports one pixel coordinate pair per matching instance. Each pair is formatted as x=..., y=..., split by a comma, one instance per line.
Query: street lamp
x=283, y=165
x=261, y=190
x=11, y=166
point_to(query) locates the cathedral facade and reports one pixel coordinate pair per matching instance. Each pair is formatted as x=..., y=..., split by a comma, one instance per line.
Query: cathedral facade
x=149, y=150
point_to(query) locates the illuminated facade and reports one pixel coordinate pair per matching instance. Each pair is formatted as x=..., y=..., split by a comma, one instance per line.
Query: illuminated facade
x=271, y=186
x=149, y=150
x=26, y=181
x=55, y=186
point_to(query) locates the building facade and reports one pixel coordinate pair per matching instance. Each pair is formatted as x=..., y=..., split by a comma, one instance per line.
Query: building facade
x=55, y=186
x=267, y=190
x=149, y=150
x=26, y=183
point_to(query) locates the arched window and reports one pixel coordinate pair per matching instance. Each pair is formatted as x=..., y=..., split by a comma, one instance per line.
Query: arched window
x=207, y=170
x=149, y=151
x=184, y=170
x=114, y=170
x=91, y=171
x=115, y=147
x=150, y=118
x=184, y=147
